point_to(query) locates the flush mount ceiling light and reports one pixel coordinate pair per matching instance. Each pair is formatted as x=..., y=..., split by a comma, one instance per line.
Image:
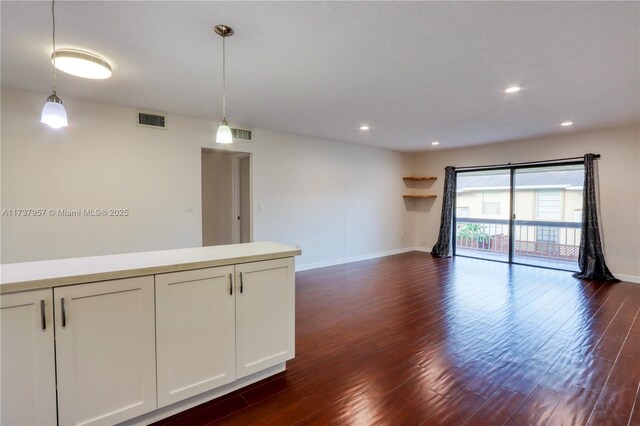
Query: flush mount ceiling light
x=81, y=64
x=434, y=143
x=364, y=127
x=512, y=89
x=566, y=123
x=53, y=112
x=223, y=135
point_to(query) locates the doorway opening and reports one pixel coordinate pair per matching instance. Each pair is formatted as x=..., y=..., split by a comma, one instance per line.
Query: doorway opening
x=529, y=215
x=226, y=197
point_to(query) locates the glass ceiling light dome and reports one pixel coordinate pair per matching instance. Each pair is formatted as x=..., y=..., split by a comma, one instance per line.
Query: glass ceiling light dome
x=81, y=64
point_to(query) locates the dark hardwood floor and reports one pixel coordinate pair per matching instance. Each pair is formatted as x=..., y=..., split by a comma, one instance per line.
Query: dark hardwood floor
x=409, y=340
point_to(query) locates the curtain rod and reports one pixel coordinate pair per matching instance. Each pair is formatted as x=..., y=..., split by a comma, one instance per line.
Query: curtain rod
x=524, y=163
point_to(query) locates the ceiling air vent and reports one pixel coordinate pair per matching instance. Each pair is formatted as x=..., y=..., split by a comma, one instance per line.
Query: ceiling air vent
x=242, y=134
x=148, y=119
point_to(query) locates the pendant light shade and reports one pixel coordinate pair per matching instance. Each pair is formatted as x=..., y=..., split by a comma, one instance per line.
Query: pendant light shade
x=224, y=135
x=53, y=113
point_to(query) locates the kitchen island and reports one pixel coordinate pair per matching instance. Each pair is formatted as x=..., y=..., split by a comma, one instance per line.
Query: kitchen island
x=137, y=337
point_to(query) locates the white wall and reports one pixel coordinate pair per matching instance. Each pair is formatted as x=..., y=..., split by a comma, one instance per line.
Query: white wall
x=338, y=201
x=619, y=173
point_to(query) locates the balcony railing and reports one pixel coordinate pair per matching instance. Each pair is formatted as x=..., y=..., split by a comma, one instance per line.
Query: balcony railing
x=532, y=238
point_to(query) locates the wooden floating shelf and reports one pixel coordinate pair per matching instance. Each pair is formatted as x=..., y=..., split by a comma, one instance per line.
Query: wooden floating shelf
x=419, y=196
x=419, y=178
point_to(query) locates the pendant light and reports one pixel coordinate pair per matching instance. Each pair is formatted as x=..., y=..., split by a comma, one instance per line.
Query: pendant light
x=223, y=134
x=53, y=112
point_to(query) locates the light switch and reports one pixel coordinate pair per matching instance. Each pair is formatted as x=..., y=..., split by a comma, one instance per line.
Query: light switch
x=188, y=207
x=260, y=206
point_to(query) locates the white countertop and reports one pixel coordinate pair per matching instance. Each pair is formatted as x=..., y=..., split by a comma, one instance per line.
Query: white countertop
x=53, y=273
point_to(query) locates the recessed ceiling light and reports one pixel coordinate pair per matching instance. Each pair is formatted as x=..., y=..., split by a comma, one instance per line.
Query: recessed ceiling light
x=566, y=123
x=365, y=127
x=81, y=64
x=435, y=143
x=512, y=89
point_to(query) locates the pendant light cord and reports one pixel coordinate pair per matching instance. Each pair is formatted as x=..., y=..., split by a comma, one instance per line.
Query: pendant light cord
x=53, y=62
x=224, y=79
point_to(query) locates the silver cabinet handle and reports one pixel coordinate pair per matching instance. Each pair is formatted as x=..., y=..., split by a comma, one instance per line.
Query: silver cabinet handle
x=231, y=284
x=63, y=308
x=241, y=283
x=43, y=317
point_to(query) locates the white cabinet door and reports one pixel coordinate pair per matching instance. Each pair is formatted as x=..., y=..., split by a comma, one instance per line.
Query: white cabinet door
x=27, y=370
x=105, y=351
x=265, y=314
x=195, y=323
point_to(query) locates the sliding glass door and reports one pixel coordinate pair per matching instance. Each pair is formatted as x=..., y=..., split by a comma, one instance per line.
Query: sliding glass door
x=483, y=203
x=525, y=215
x=548, y=213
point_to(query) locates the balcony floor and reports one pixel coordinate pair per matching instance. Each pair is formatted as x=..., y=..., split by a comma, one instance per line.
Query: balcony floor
x=567, y=265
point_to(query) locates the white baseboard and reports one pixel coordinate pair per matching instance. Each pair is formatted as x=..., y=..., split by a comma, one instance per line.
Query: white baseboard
x=422, y=249
x=334, y=262
x=627, y=278
x=342, y=261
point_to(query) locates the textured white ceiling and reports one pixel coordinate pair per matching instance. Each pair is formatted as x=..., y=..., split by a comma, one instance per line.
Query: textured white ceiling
x=415, y=72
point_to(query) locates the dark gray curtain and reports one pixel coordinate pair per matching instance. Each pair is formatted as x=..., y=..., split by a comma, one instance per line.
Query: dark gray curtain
x=443, y=246
x=591, y=258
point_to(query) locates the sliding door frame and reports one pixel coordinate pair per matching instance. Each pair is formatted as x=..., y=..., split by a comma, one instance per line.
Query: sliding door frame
x=512, y=195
